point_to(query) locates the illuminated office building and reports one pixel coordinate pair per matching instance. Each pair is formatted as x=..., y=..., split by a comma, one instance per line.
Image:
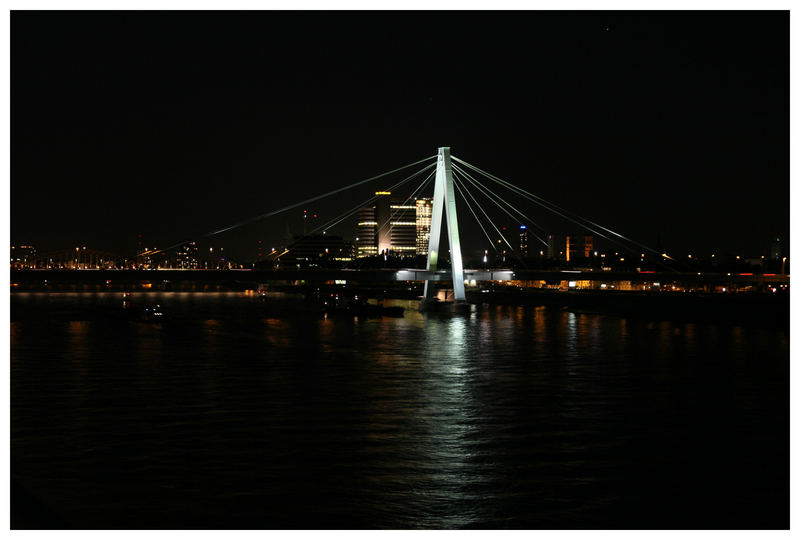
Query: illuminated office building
x=366, y=229
x=579, y=246
x=187, y=256
x=424, y=211
x=390, y=226
x=403, y=227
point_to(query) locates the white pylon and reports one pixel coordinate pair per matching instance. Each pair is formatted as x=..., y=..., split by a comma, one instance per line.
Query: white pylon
x=444, y=200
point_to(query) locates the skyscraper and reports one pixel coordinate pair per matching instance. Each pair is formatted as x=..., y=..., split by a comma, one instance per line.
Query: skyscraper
x=424, y=211
x=387, y=227
x=403, y=227
x=186, y=257
x=366, y=229
x=578, y=246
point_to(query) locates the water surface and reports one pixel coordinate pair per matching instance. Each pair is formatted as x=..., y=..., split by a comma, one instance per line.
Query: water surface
x=234, y=413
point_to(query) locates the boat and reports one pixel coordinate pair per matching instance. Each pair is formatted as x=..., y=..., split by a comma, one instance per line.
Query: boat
x=147, y=313
x=152, y=313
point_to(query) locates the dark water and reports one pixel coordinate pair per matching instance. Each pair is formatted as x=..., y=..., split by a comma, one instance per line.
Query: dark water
x=236, y=414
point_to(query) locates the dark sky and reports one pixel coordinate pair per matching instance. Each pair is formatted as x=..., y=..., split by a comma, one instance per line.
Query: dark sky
x=175, y=124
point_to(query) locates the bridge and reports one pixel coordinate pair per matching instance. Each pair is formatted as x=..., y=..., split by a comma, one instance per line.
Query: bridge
x=452, y=176
x=254, y=277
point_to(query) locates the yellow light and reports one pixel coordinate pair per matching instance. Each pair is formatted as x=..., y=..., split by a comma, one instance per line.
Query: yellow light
x=383, y=193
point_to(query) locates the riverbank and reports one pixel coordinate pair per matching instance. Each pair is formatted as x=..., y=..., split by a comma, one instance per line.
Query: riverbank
x=750, y=309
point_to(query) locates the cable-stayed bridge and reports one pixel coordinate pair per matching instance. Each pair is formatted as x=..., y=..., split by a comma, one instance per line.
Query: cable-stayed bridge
x=453, y=177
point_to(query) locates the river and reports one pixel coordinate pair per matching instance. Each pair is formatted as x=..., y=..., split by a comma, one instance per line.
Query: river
x=239, y=413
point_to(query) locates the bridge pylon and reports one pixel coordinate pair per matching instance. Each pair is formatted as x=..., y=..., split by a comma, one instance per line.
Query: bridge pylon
x=444, y=205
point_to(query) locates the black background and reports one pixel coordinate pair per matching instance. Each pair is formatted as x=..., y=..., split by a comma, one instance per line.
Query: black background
x=173, y=124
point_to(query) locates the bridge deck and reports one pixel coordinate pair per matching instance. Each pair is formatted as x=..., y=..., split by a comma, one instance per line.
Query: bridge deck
x=407, y=274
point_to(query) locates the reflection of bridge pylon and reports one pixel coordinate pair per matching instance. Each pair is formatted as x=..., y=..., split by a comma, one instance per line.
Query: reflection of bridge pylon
x=444, y=201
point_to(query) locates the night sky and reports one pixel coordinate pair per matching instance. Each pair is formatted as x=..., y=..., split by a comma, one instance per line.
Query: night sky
x=170, y=125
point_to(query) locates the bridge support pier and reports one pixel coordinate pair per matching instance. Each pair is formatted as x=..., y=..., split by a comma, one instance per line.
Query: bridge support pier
x=444, y=205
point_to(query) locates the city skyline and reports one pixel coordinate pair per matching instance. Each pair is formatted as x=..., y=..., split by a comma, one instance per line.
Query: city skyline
x=663, y=142
x=393, y=270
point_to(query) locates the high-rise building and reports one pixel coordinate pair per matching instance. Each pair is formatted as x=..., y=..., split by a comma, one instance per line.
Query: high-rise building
x=403, y=227
x=424, y=212
x=523, y=240
x=578, y=246
x=588, y=245
x=366, y=229
x=186, y=257
x=389, y=226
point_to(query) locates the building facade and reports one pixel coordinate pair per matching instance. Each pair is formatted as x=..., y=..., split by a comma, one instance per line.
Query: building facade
x=390, y=226
x=523, y=240
x=403, y=228
x=578, y=246
x=187, y=256
x=366, y=244
x=309, y=251
x=424, y=213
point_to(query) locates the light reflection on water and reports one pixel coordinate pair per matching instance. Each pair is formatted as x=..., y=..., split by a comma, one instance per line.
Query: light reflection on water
x=232, y=413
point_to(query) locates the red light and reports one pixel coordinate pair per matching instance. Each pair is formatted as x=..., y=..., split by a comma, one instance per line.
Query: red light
x=647, y=271
x=746, y=274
